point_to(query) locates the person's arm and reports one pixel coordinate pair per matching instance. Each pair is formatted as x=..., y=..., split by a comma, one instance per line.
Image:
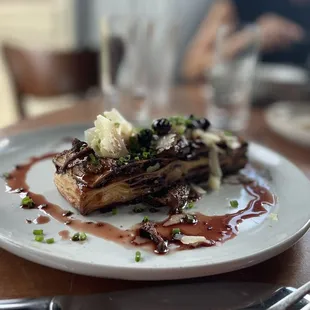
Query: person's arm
x=276, y=33
x=199, y=54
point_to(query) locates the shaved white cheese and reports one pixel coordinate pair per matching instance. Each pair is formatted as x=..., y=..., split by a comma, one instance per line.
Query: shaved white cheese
x=166, y=142
x=214, y=182
x=123, y=127
x=214, y=163
x=194, y=240
x=198, y=189
x=232, y=142
x=106, y=139
x=207, y=137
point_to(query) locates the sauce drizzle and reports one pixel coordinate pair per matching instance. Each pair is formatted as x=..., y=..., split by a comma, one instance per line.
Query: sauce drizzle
x=216, y=229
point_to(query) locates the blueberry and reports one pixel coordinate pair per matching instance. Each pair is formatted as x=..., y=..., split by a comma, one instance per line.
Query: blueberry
x=145, y=137
x=198, y=123
x=161, y=126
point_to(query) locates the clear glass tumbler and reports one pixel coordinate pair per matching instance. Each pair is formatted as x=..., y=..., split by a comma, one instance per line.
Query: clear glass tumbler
x=119, y=55
x=137, y=64
x=231, y=77
x=162, y=43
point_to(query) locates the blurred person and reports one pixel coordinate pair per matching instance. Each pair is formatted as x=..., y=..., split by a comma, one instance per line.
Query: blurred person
x=283, y=26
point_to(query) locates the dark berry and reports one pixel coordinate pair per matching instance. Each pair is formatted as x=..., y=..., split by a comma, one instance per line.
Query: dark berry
x=161, y=126
x=201, y=123
x=145, y=137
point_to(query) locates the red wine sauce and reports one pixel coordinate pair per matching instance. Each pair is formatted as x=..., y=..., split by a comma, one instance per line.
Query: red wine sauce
x=217, y=229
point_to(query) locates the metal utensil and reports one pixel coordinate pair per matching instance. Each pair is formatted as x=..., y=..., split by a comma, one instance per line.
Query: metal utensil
x=292, y=298
x=213, y=295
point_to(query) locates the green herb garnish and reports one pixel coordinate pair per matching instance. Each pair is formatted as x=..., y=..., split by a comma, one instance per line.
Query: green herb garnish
x=114, y=211
x=146, y=155
x=176, y=231
x=177, y=120
x=5, y=176
x=124, y=159
x=138, y=256
x=93, y=159
x=83, y=236
x=127, y=157
x=138, y=209
x=180, y=129
x=38, y=232
x=234, y=203
x=117, y=125
x=39, y=238
x=27, y=202
x=190, y=205
x=79, y=236
x=227, y=133
x=76, y=237
x=50, y=240
x=137, y=158
x=145, y=219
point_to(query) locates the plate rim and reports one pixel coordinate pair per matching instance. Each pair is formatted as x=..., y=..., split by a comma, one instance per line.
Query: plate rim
x=138, y=272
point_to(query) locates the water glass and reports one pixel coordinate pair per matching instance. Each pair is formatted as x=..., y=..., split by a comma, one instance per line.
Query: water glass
x=231, y=77
x=162, y=43
x=137, y=64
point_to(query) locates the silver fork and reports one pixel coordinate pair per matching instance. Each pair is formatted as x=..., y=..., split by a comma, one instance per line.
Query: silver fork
x=292, y=298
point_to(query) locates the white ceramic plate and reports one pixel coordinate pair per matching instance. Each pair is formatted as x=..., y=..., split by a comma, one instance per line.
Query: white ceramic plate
x=290, y=120
x=259, y=238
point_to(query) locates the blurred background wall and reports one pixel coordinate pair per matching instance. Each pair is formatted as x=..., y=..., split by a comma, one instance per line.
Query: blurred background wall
x=74, y=24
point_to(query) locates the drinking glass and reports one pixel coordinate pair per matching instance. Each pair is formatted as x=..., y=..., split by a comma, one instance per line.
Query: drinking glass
x=162, y=43
x=118, y=60
x=137, y=64
x=232, y=76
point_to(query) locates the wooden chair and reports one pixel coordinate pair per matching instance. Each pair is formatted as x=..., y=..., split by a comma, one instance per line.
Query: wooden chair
x=47, y=74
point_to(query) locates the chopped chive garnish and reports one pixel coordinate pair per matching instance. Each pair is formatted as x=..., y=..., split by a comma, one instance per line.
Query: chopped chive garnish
x=127, y=157
x=227, y=133
x=138, y=209
x=124, y=159
x=93, y=159
x=76, y=237
x=28, y=202
x=177, y=120
x=180, y=129
x=146, y=155
x=50, y=240
x=234, y=203
x=5, y=175
x=145, y=219
x=79, y=236
x=83, y=236
x=190, y=205
x=121, y=159
x=176, y=231
x=39, y=238
x=138, y=256
x=38, y=232
x=137, y=158
x=114, y=211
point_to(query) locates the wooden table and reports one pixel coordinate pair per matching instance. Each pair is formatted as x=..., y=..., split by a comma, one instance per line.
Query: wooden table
x=20, y=278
